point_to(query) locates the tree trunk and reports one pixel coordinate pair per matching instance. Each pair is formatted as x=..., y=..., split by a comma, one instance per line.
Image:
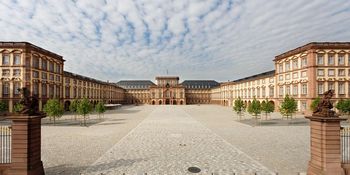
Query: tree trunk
x=84, y=120
x=54, y=120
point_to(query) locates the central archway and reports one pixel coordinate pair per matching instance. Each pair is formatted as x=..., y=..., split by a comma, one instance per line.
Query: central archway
x=167, y=101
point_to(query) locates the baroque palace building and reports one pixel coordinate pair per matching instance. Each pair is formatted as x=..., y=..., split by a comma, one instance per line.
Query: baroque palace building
x=41, y=71
x=303, y=73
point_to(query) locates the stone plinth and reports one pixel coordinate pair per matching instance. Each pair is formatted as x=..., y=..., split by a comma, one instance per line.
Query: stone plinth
x=325, y=146
x=26, y=145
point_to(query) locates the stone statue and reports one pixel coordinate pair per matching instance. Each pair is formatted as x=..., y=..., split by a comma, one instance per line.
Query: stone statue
x=324, y=108
x=30, y=104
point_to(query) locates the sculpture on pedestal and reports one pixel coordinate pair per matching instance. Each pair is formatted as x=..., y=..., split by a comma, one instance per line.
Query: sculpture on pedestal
x=30, y=103
x=324, y=108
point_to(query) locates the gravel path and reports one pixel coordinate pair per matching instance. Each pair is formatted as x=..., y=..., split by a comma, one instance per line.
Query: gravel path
x=283, y=149
x=68, y=148
x=169, y=141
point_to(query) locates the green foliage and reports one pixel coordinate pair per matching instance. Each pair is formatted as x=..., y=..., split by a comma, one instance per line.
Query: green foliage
x=343, y=106
x=54, y=109
x=288, y=106
x=3, y=107
x=238, y=106
x=17, y=107
x=100, y=108
x=84, y=108
x=267, y=107
x=315, y=103
x=254, y=108
x=73, y=107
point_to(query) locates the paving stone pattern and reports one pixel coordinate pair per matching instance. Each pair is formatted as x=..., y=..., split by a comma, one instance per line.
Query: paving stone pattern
x=169, y=141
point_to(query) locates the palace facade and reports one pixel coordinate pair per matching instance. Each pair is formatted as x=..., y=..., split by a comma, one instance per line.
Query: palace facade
x=303, y=73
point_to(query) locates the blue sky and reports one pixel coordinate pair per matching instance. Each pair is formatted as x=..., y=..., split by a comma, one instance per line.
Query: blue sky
x=195, y=39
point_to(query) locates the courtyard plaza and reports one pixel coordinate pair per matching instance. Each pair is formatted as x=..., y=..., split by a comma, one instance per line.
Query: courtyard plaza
x=170, y=139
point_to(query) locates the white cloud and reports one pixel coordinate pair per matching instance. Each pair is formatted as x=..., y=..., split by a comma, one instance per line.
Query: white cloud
x=204, y=39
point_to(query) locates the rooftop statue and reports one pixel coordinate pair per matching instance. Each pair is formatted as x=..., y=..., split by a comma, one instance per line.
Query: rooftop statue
x=30, y=104
x=324, y=108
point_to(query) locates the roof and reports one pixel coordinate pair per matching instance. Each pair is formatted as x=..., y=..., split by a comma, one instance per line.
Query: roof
x=314, y=45
x=261, y=75
x=167, y=77
x=135, y=84
x=27, y=45
x=200, y=84
x=85, y=78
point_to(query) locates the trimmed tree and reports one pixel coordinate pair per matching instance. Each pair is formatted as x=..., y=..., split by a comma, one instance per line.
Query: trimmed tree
x=315, y=103
x=54, y=109
x=84, y=108
x=73, y=108
x=344, y=107
x=267, y=107
x=100, y=109
x=239, y=107
x=288, y=107
x=17, y=107
x=3, y=107
x=254, y=108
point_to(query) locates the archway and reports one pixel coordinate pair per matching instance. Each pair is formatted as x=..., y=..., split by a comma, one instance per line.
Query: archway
x=273, y=103
x=167, y=101
x=153, y=102
x=174, y=102
x=181, y=102
x=66, y=105
x=160, y=102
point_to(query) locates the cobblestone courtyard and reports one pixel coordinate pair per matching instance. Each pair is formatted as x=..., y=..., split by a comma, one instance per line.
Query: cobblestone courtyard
x=170, y=139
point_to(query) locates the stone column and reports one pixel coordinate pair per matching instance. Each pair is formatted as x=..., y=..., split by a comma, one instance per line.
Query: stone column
x=26, y=145
x=325, y=146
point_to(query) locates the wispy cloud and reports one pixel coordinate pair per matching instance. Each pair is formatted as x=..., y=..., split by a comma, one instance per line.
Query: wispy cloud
x=195, y=39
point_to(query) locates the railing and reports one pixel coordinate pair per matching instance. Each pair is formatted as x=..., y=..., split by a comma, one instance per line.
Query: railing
x=345, y=144
x=5, y=143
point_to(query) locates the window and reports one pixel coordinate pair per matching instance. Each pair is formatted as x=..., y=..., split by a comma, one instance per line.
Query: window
x=320, y=88
x=5, y=88
x=341, y=59
x=5, y=59
x=303, y=74
x=271, y=91
x=51, y=66
x=331, y=72
x=331, y=86
x=281, y=91
x=263, y=81
x=51, y=91
x=320, y=59
x=341, y=88
x=36, y=62
x=295, y=75
x=17, y=59
x=280, y=68
x=6, y=72
x=51, y=77
x=303, y=62
x=58, y=78
x=35, y=74
x=17, y=72
x=43, y=90
x=271, y=80
x=341, y=72
x=43, y=75
x=295, y=64
x=35, y=89
x=320, y=72
x=16, y=87
x=280, y=78
x=331, y=59
x=67, y=80
x=295, y=89
x=263, y=92
x=288, y=89
x=303, y=105
x=43, y=64
x=304, y=89
x=287, y=76
x=287, y=66
x=58, y=68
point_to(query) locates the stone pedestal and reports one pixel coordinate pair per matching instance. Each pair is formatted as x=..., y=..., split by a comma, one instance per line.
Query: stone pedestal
x=325, y=146
x=26, y=145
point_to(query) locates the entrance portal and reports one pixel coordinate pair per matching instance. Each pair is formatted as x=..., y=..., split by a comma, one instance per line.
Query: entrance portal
x=167, y=101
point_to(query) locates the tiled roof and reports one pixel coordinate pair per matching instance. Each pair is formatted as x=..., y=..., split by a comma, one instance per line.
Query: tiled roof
x=264, y=74
x=135, y=84
x=200, y=84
